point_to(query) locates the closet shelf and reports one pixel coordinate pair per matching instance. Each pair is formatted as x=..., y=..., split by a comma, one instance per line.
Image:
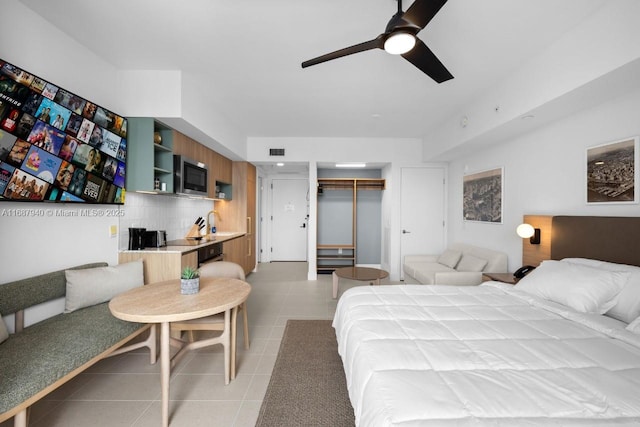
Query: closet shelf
x=347, y=257
x=350, y=183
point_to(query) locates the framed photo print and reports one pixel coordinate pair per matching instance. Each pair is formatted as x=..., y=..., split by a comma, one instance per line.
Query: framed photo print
x=482, y=196
x=612, y=172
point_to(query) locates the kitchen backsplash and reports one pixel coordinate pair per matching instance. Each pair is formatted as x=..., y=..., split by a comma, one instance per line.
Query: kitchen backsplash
x=173, y=214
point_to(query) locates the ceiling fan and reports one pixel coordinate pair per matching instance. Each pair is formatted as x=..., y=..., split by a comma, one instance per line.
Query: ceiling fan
x=400, y=38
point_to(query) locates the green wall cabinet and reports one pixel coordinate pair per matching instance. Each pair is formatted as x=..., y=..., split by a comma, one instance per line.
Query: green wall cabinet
x=149, y=155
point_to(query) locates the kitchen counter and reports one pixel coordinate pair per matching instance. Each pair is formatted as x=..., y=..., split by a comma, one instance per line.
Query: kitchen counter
x=166, y=263
x=183, y=246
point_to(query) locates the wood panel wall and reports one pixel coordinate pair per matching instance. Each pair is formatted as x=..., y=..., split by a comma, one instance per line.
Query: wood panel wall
x=535, y=254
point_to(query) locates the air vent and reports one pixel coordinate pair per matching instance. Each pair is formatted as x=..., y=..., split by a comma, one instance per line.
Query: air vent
x=276, y=151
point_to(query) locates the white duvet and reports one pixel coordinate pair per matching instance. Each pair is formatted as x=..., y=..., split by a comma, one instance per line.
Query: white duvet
x=419, y=355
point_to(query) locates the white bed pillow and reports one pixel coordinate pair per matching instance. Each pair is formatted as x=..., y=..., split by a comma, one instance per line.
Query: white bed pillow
x=93, y=286
x=471, y=263
x=449, y=258
x=627, y=308
x=634, y=326
x=583, y=288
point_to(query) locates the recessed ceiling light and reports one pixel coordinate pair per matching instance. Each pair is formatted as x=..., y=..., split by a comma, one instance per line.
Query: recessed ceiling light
x=351, y=165
x=528, y=116
x=280, y=164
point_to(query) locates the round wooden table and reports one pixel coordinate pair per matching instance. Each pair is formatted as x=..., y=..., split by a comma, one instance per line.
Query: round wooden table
x=364, y=274
x=162, y=303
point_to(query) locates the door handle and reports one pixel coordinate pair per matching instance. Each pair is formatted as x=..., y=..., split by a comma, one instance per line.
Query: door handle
x=406, y=232
x=304, y=225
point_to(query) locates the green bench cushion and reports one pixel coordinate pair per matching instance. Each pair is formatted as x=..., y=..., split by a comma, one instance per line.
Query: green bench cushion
x=45, y=352
x=22, y=294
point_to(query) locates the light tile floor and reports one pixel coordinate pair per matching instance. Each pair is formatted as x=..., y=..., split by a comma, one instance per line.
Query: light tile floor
x=125, y=390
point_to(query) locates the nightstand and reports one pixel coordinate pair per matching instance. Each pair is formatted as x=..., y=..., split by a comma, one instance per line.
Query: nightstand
x=500, y=277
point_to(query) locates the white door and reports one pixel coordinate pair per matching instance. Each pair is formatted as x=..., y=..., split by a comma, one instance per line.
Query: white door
x=422, y=207
x=260, y=224
x=290, y=209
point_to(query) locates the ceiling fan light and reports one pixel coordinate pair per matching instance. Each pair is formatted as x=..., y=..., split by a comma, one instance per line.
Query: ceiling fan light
x=399, y=43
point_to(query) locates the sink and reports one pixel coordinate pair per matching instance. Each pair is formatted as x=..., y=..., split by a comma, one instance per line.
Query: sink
x=212, y=237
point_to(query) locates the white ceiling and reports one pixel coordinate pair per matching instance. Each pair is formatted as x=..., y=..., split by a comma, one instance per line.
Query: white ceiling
x=247, y=53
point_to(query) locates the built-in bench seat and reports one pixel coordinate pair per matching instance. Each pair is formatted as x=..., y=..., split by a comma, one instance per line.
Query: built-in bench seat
x=38, y=359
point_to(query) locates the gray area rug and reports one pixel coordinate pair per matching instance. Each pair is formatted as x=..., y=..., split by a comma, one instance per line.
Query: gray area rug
x=307, y=386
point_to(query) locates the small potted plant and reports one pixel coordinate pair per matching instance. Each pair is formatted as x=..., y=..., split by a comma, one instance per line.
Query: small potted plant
x=189, y=281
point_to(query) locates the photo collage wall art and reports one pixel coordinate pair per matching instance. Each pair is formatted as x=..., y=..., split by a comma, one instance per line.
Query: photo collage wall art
x=56, y=146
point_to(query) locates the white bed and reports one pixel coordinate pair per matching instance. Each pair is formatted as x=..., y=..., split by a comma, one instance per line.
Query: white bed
x=492, y=354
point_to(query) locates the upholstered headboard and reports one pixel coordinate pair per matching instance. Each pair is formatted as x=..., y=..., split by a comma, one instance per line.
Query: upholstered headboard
x=613, y=239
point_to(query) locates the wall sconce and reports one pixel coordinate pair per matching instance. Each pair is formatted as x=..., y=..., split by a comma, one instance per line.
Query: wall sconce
x=527, y=230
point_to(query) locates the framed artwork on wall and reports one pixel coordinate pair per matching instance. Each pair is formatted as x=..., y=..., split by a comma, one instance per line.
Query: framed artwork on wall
x=482, y=196
x=612, y=172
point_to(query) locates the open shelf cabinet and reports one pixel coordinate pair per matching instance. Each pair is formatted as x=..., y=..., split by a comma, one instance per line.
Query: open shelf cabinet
x=142, y=148
x=330, y=257
x=338, y=254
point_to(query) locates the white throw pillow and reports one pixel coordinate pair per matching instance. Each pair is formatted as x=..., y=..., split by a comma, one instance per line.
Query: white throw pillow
x=449, y=258
x=583, y=288
x=93, y=286
x=627, y=308
x=4, y=333
x=634, y=326
x=471, y=263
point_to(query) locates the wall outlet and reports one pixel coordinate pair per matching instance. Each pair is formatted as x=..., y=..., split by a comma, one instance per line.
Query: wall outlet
x=113, y=230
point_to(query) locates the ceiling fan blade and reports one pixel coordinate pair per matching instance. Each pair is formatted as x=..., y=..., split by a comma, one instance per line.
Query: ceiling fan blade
x=377, y=43
x=422, y=57
x=422, y=11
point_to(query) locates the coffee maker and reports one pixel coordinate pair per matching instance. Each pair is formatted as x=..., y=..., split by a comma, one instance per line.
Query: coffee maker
x=136, y=238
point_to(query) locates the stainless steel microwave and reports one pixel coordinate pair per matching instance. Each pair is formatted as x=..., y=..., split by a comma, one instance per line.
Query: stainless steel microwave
x=189, y=177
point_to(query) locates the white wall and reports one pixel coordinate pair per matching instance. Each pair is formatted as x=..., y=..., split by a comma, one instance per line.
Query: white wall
x=544, y=173
x=53, y=237
x=58, y=237
x=604, y=43
x=30, y=42
x=331, y=150
x=175, y=215
x=550, y=181
x=215, y=130
x=42, y=237
x=150, y=93
x=390, y=154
